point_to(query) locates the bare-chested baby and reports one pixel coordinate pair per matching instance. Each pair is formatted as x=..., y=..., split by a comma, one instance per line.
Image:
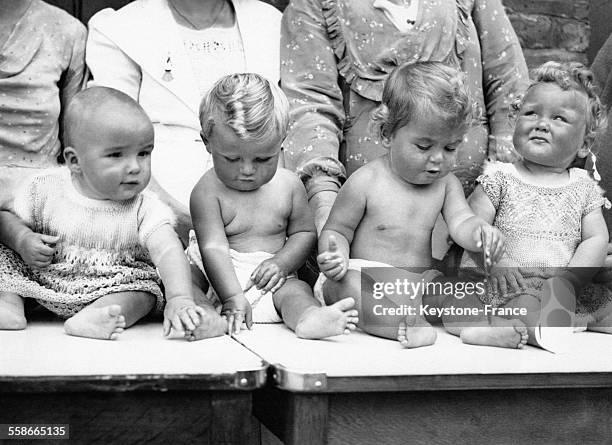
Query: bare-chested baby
x=253, y=226
x=385, y=213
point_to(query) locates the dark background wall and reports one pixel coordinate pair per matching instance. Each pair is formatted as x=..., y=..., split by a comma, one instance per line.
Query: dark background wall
x=600, y=17
x=547, y=29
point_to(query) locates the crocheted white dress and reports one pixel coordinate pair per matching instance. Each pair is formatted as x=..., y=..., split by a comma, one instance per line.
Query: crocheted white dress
x=542, y=226
x=101, y=248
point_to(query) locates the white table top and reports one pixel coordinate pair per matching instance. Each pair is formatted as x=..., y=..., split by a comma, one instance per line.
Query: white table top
x=43, y=349
x=359, y=354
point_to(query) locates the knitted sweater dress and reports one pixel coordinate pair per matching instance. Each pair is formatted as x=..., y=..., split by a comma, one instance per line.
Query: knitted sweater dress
x=101, y=248
x=542, y=226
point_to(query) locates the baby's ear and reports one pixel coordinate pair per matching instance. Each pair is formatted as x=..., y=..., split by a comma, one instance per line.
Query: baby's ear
x=205, y=140
x=72, y=159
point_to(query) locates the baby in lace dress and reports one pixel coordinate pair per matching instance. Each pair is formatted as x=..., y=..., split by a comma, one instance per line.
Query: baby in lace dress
x=549, y=212
x=94, y=237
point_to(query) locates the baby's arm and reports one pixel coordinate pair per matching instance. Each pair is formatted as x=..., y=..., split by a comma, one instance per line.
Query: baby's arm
x=591, y=252
x=469, y=227
x=214, y=249
x=506, y=275
x=271, y=274
x=481, y=205
x=166, y=252
x=36, y=249
x=339, y=230
x=183, y=220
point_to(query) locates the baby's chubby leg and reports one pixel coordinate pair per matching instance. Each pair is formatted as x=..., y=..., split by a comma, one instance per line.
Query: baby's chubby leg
x=106, y=317
x=302, y=313
x=12, y=316
x=410, y=330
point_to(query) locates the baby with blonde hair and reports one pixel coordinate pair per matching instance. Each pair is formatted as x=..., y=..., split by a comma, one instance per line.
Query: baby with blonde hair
x=253, y=226
x=382, y=221
x=549, y=212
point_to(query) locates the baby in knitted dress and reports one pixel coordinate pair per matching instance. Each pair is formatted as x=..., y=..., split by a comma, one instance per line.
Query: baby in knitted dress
x=253, y=226
x=550, y=213
x=94, y=237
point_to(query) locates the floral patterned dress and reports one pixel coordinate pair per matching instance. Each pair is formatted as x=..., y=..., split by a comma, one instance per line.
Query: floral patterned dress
x=336, y=55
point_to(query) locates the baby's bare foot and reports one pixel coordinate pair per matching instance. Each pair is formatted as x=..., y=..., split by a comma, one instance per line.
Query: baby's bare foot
x=326, y=321
x=105, y=323
x=11, y=319
x=501, y=332
x=414, y=332
x=211, y=325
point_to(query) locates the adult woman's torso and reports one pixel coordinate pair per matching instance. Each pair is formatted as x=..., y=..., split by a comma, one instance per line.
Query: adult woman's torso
x=367, y=46
x=42, y=65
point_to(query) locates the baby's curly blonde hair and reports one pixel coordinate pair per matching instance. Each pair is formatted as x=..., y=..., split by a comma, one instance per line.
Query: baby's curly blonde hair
x=570, y=76
x=252, y=107
x=423, y=90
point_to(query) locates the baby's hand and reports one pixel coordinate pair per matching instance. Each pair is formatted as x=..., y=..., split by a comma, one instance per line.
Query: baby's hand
x=331, y=262
x=37, y=249
x=494, y=243
x=237, y=309
x=182, y=315
x=507, y=278
x=269, y=276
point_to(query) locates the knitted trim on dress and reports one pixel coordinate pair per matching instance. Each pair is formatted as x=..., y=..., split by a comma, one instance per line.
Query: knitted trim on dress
x=61, y=289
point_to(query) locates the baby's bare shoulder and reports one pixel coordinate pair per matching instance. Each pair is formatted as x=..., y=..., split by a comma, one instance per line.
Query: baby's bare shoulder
x=209, y=181
x=207, y=188
x=363, y=178
x=450, y=183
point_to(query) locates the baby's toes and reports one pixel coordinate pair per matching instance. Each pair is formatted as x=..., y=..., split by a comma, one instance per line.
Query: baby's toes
x=401, y=333
x=522, y=331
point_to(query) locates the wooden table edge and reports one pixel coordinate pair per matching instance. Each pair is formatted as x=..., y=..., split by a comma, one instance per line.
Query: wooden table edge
x=245, y=380
x=300, y=382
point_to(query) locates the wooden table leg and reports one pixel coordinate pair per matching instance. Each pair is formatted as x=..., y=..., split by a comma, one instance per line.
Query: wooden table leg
x=232, y=422
x=296, y=418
